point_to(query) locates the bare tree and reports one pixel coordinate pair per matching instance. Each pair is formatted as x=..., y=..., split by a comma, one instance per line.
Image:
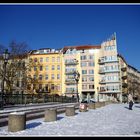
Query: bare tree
x=18, y=48
x=17, y=67
x=29, y=81
x=134, y=87
x=2, y=47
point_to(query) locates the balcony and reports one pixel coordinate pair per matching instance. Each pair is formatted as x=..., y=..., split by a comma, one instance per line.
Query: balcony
x=124, y=91
x=70, y=72
x=101, y=61
x=111, y=61
x=124, y=77
x=70, y=91
x=70, y=81
x=70, y=77
x=102, y=82
x=113, y=70
x=88, y=90
x=107, y=81
x=110, y=91
x=123, y=69
x=101, y=71
x=74, y=62
x=124, y=85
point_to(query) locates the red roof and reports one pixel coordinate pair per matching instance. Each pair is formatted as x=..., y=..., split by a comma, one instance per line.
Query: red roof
x=84, y=47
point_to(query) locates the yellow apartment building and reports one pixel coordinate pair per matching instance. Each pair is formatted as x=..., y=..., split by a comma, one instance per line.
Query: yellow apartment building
x=46, y=70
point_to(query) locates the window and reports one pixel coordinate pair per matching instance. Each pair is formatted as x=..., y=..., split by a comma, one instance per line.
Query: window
x=113, y=47
x=58, y=67
x=116, y=67
x=58, y=59
x=112, y=67
x=18, y=73
x=40, y=86
x=84, y=71
x=53, y=59
x=52, y=76
x=58, y=76
x=40, y=77
x=116, y=78
x=91, y=64
x=91, y=86
x=35, y=77
x=84, y=86
x=47, y=59
x=53, y=67
x=47, y=77
x=83, y=64
x=109, y=48
x=90, y=57
x=46, y=87
x=58, y=87
x=35, y=59
x=17, y=83
x=52, y=86
x=47, y=67
x=41, y=68
x=91, y=71
x=84, y=79
x=83, y=57
x=91, y=78
x=41, y=59
x=35, y=68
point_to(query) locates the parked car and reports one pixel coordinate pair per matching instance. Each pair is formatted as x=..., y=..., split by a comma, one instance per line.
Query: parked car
x=88, y=101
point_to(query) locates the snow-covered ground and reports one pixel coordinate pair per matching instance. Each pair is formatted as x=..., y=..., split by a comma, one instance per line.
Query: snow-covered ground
x=113, y=119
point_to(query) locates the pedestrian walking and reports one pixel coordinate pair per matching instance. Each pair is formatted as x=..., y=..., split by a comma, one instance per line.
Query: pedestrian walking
x=130, y=101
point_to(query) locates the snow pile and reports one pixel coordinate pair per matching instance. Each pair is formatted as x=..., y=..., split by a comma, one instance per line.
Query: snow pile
x=114, y=119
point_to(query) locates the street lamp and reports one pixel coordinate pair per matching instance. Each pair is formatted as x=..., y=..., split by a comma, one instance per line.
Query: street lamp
x=98, y=93
x=5, y=59
x=76, y=77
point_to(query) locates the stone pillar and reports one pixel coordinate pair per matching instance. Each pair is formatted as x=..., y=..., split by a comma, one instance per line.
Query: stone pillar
x=50, y=115
x=70, y=111
x=91, y=106
x=102, y=104
x=97, y=104
x=16, y=121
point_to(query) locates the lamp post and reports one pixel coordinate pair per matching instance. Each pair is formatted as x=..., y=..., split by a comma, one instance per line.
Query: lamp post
x=76, y=77
x=5, y=59
x=98, y=93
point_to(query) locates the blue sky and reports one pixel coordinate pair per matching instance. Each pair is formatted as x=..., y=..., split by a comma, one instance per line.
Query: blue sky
x=56, y=26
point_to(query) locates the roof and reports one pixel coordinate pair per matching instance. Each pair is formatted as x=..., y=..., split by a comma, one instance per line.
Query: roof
x=83, y=47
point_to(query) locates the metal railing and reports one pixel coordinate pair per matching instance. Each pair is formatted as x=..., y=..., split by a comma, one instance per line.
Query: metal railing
x=14, y=99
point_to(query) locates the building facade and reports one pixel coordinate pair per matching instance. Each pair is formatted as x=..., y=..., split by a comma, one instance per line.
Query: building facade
x=109, y=71
x=103, y=73
x=133, y=82
x=47, y=70
x=81, y=59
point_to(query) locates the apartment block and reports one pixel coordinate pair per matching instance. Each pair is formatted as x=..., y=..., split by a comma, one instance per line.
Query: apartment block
x=46, y=70
x=81, y=59
x=104, y=74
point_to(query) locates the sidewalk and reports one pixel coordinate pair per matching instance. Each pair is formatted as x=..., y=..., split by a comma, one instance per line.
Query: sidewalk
x=113, y=119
